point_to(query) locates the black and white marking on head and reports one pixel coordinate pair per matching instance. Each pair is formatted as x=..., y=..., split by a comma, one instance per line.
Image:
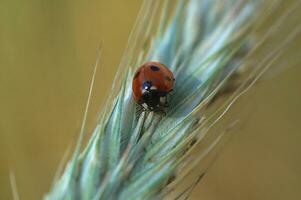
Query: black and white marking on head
x=154, y=68
x=153, y=88
x=146, y=85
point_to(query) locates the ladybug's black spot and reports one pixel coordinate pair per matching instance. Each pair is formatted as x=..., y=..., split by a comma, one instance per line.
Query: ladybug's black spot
x=167, y=78
x=137, y=74
x=154, y=68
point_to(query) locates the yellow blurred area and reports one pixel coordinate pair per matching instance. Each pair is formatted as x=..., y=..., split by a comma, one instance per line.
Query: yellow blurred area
x=47, y=52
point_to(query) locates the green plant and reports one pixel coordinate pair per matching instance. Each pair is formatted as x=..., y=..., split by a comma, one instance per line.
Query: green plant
x=141, y=156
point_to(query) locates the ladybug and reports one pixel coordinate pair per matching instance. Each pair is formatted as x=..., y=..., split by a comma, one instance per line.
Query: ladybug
x=152, y=82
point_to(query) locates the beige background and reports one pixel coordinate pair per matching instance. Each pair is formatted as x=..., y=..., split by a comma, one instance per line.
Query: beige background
x=46, y=55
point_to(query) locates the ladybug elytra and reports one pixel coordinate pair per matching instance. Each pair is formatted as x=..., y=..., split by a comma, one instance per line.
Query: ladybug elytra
x=152, y=83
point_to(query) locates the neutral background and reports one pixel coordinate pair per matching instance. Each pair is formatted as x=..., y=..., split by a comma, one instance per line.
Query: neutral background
x=47, y=49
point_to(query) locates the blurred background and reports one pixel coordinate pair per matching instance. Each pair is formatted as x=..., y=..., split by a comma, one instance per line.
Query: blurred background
x=47, y=52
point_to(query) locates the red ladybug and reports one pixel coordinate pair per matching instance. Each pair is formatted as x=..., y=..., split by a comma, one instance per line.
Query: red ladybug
x=151, y=84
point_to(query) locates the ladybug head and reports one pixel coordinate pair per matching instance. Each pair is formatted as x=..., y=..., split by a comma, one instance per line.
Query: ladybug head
x=147, y=86
x=150, y=98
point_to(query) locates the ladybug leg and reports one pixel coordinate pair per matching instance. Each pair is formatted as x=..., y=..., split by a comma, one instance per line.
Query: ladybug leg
x=170, y=92
x=162, y=111
x=163, y=101
x=139, y=110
